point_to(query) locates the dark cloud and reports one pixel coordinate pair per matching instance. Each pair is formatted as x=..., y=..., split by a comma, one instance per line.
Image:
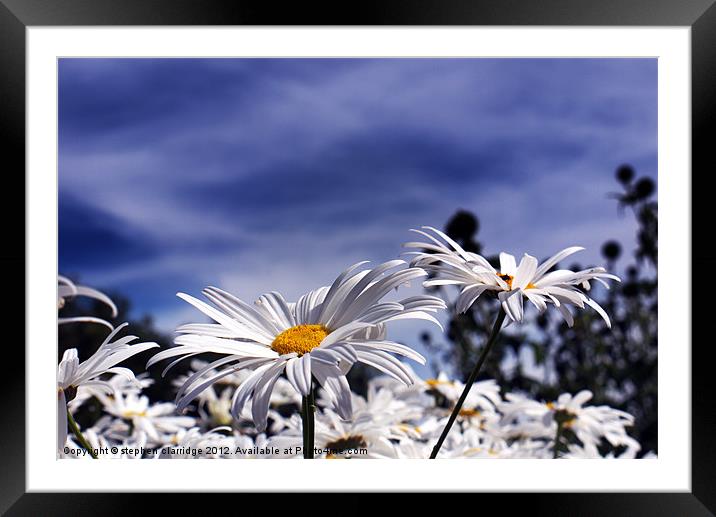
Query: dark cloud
x=91, y=239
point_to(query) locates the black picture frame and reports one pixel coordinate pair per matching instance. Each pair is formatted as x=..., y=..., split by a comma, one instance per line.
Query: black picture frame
x=17, y=15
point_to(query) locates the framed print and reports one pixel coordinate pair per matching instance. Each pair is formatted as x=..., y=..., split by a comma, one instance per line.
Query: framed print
x=415, y=239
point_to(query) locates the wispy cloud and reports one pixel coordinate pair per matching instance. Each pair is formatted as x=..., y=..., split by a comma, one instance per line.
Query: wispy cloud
x=258, y=174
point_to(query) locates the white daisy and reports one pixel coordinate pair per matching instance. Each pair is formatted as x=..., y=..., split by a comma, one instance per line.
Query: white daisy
x=68, y=289
x=156, y=421
x=119, y=383
x=592, y=423
x=484, y=395
x=414, y=395
x=385, y=410
x=474, y=275
x=382, y=409
x=320, y=336
x=361, y=437
x=218, y=408
x=71, y=374
x=530, y=418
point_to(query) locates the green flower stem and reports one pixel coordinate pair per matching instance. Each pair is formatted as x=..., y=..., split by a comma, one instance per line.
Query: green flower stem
x=557, y=438
x=76, y=431
x=470, y=381
x=308, y=408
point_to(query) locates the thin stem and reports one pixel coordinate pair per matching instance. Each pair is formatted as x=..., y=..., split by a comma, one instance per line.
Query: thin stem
x=304, y=426
x=311, y=420
x=308, y=409
x=470, y=381
x=557, y=437
x=76, y=431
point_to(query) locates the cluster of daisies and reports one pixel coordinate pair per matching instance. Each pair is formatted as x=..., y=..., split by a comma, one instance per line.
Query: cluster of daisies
x=281, y=373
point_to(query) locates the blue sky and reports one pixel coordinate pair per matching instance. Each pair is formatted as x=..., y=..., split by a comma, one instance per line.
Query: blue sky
x=275, y=174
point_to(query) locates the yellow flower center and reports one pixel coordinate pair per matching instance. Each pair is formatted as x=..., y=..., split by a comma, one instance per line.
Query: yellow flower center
x=346, y=443
x=469, y=413
x=509, y=278
x=562, y=415
x=131, y=413
x=409, y=429
x=300, y=339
